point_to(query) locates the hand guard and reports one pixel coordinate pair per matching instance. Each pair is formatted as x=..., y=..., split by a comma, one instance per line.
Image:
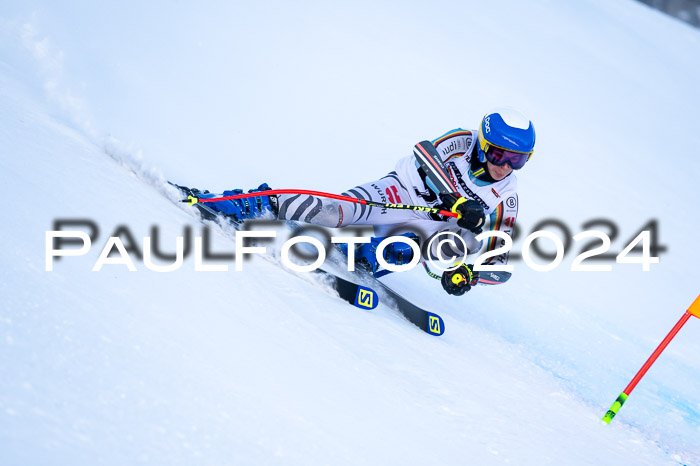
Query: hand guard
x=471, y=212
x=460, y=280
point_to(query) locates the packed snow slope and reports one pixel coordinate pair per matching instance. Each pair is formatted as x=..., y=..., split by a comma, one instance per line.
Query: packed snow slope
x=100, y=104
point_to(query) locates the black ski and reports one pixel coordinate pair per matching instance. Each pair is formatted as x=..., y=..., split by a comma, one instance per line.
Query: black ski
x=427, y=321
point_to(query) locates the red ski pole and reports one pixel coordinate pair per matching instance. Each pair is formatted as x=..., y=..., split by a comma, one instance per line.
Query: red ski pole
x=693, y=310
x=194, y=200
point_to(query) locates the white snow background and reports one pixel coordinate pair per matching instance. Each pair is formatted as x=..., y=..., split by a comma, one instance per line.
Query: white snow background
x=100, y=103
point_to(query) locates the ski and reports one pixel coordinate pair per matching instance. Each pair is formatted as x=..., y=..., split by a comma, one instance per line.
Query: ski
x=429, y=322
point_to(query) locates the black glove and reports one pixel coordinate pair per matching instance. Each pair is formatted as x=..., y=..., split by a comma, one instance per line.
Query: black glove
x=460, y=280
x=472, y=213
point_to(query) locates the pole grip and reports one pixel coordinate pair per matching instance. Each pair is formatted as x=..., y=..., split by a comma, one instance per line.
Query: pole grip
x=615, y=408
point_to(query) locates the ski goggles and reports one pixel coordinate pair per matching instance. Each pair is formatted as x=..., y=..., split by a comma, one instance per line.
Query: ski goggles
x=500, y=157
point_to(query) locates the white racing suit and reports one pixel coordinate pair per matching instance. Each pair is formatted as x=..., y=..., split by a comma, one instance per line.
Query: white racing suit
x=407, y=185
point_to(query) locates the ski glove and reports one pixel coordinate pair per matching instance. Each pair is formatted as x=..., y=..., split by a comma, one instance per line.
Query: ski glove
x=472, y=213
x=460, y=280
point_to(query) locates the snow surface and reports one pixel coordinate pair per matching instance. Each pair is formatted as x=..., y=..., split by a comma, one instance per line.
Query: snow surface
x=99, y=104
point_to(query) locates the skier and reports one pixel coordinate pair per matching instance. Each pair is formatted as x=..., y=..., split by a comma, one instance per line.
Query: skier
x=481, y=165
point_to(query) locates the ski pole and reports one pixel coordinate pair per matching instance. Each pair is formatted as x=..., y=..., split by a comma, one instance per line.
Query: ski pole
x=194, y=200
x=693, y=310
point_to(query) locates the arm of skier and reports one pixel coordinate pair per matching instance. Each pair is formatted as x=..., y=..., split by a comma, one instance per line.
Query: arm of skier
x=452, y=144
x=463, y=278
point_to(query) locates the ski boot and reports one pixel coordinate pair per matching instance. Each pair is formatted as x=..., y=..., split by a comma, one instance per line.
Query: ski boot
x=239, y=209
x=396, y=253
